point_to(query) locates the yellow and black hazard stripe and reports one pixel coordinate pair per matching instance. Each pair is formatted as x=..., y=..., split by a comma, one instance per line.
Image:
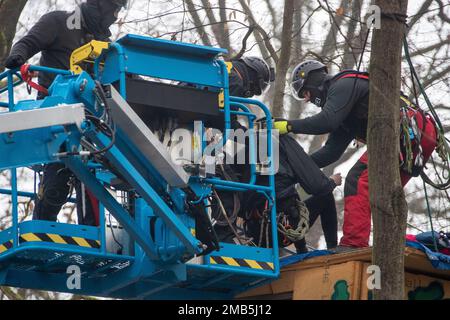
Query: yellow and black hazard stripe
x=56, y=238
x=6, y=246
x=246, y=263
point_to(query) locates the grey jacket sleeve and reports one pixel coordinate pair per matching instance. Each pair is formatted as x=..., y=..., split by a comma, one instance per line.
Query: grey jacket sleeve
x=341, y=98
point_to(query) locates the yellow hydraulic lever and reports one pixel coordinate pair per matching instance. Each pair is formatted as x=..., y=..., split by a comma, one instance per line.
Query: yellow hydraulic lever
x=86, y=53
x=221, y=94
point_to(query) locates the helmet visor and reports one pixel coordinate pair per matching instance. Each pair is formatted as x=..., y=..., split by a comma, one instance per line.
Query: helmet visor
x=264, y=83
x=297, y=89
x=264, y=86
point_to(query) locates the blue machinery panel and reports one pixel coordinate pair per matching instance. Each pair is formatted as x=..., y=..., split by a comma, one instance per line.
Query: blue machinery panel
x=36, y=254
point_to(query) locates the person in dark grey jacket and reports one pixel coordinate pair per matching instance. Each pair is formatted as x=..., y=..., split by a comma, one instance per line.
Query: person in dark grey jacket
x=344, y=100
x=56, y=38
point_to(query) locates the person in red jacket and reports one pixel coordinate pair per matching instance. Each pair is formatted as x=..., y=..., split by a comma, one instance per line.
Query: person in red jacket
x=344, y=100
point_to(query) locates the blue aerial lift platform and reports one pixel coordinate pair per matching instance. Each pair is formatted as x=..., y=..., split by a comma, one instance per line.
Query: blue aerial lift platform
x=165, y=258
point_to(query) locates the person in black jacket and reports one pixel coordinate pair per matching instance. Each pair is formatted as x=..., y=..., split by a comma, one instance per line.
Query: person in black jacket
x=344, y=100
x=251, y=76
x=56, y=39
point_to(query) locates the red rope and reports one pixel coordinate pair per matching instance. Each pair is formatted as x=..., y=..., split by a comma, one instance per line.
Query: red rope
x=27, y=77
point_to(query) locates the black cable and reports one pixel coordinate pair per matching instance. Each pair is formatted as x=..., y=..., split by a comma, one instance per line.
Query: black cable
x=107, y=130
x=113, y=235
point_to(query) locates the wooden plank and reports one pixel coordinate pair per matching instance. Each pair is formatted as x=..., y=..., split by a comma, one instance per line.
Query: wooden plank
x=416, y=261
x=417, y=287
x=334, y=282
x=283, y=285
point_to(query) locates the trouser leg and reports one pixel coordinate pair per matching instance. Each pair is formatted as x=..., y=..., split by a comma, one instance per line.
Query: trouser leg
x=325, y=207
x=53, y=192
x=357, y=218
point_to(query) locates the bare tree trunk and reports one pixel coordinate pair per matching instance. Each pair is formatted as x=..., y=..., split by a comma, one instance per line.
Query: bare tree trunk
x=349, y=58
x=259, y=39
x=296, y=107
x=285, y=57
x=224, y=27
x=330, y=45
x=10, y=11
x=387, y=198
x=213, y=21
x=274, y=16
x=198, y=23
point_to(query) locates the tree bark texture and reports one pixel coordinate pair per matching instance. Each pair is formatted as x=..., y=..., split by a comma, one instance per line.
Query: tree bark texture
x=387, y=199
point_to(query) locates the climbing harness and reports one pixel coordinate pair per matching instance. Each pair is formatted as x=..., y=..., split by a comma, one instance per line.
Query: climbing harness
x=442, y=148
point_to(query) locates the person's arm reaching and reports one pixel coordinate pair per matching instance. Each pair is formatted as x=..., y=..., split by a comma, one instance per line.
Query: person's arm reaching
x=39, y=38
x=307, y=173
x=341, y=98
x=333, y=149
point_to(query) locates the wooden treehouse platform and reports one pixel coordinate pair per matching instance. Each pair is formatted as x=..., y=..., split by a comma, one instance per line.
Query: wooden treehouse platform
x=344, y=277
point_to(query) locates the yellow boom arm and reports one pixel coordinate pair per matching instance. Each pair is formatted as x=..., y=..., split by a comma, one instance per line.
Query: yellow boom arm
x=86, y=53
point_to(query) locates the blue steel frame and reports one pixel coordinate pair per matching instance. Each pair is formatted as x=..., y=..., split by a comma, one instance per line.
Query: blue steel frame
x=188, y=63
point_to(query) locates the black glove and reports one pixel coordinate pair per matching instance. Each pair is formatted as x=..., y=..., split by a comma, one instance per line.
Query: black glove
x=14, y=61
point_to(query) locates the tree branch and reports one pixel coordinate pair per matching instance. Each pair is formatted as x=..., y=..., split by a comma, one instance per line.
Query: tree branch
x=285, y=56
x=198, y=23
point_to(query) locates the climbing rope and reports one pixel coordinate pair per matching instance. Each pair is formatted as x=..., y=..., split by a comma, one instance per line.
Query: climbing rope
x=299, y=232
x=442, y=147
x=429, y=216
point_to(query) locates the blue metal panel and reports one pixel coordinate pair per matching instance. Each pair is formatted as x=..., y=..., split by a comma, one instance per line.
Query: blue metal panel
x=121, y=163
x=39, y=245
x=245, y=252
x=237, y=270
x=26, y=194
x=15, y=204
x=6, y=235
x=27, y=105
x=112, y=205
x=41, y=226
x=40, y=145
x=151, y=57
x=170, y=46
x=138, y=161
x=55, y=282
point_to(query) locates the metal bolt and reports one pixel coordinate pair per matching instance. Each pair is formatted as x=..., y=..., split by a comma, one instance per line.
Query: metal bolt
x=83, y=85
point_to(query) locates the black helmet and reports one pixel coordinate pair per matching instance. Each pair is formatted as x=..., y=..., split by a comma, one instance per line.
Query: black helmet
x=264, y=74
x=300, y=76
